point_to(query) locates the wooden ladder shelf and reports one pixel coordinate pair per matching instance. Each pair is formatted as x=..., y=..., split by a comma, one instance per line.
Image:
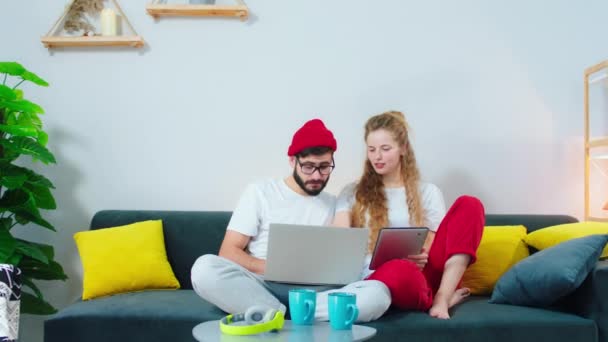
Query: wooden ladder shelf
x=593, y=143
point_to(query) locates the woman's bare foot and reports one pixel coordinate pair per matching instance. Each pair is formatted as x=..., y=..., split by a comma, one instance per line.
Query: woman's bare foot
x=440, y=307
x=459, y=296
x=441, y=303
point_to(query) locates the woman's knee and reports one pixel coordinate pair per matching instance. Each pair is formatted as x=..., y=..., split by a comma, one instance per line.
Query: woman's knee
x=471, y=203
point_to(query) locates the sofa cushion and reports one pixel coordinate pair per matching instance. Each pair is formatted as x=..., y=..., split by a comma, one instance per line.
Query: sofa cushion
x=500, y=248
x=546, y=276
x=123, y=259
x=153, y=315
x=551, y=236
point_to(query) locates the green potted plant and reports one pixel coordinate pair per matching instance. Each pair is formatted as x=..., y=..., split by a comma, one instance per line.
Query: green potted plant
x=23, y=192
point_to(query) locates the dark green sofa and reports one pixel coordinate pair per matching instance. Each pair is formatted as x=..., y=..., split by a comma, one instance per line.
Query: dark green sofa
x=171, y=315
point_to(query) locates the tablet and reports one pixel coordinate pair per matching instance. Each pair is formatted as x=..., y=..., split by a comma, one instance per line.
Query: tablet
x=397, y=243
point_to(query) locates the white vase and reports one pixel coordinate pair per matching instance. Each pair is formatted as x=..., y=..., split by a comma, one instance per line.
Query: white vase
x=10, y=295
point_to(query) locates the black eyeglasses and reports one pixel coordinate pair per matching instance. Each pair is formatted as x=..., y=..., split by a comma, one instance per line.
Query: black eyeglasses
x=310, y=168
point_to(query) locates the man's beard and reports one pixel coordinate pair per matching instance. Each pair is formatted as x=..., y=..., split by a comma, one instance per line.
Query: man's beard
x=302, y=185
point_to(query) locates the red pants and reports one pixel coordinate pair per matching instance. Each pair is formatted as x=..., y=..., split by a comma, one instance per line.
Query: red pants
x=459, y=233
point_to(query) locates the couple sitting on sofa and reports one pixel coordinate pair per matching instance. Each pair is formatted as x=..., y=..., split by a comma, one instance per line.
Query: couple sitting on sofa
x=389, y=194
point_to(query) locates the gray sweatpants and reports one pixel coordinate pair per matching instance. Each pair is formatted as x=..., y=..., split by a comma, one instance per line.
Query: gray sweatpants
x=234, y=289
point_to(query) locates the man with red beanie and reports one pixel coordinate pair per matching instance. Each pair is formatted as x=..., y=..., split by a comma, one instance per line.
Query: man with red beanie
x=234, y=280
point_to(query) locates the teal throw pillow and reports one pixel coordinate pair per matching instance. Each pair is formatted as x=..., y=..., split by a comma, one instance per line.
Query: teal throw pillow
x=544, y=277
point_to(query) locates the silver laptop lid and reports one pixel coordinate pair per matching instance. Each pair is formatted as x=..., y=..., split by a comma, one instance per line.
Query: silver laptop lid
x=318, y=255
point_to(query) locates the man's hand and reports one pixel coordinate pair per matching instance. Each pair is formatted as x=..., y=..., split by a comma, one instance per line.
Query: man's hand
x=233, y=248
x=420, y=259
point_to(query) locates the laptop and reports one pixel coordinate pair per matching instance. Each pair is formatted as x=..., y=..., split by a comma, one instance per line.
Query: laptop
x=315, y=255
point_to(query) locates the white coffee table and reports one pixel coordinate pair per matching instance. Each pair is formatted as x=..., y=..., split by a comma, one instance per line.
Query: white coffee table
x=320, y=331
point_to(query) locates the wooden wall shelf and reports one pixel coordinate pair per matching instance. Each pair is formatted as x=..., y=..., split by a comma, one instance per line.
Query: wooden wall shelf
x=56, y=41
x=52, y=40
x=157, y=10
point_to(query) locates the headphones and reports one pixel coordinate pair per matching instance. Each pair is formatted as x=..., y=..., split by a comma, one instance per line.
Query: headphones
x=257, y=319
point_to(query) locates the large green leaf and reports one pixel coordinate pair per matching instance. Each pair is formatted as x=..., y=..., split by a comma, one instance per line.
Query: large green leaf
x=30, y=76
x=48, y=250
x=20, y=131
x=31, y=304
x=7, y=155
x=21, y=220
x=22, y=106
x=28, y=146
x=43, y=138
x=25, y=119
x=38, y=180
x=35, y=218
x=38, y=270
x=14, y=198
x=8, y=244
x=22, y=204
x=32, y=177
x=12, y=181
x=42, y=196
x=7, y=93
x=31, y=250
x=10, y=118
x=12, y=68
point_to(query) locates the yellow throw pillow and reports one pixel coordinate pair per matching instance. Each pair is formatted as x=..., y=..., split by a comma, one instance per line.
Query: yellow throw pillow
x=124, y=259
x=501, y=247
x=551, y=236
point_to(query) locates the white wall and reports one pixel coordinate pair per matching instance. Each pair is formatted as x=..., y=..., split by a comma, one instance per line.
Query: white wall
x=493, y=90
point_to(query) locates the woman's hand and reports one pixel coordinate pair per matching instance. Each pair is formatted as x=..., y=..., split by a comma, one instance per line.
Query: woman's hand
x=419, y=259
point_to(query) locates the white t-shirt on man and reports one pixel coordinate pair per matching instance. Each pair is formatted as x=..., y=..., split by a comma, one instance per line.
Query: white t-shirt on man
x=398, y=213
x=272, y=201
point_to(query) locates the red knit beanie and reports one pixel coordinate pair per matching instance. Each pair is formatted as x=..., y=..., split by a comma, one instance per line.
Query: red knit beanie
x=312, y=134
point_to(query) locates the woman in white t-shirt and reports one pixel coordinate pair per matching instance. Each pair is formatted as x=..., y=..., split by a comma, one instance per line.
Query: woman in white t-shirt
x=390, y=194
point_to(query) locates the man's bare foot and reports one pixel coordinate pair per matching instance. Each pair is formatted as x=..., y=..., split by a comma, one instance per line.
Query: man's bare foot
x=441, y=303
x=459, y=296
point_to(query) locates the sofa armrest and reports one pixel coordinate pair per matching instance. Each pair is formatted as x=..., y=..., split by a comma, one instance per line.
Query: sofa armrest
x=590, y=300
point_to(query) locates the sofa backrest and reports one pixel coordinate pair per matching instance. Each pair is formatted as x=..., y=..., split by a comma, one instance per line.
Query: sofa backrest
x=532, y=222
x=190, y=234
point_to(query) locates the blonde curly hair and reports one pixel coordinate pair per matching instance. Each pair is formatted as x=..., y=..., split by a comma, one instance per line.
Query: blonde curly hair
x=370, y=198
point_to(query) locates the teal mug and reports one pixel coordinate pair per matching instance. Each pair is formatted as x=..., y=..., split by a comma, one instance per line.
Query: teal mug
x=302, y=305
x=342, y=310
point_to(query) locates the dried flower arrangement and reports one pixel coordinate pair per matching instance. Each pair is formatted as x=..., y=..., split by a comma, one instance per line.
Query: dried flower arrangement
x=76, y=19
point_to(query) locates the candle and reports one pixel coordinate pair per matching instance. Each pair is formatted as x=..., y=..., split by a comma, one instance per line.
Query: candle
x=108, y=22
